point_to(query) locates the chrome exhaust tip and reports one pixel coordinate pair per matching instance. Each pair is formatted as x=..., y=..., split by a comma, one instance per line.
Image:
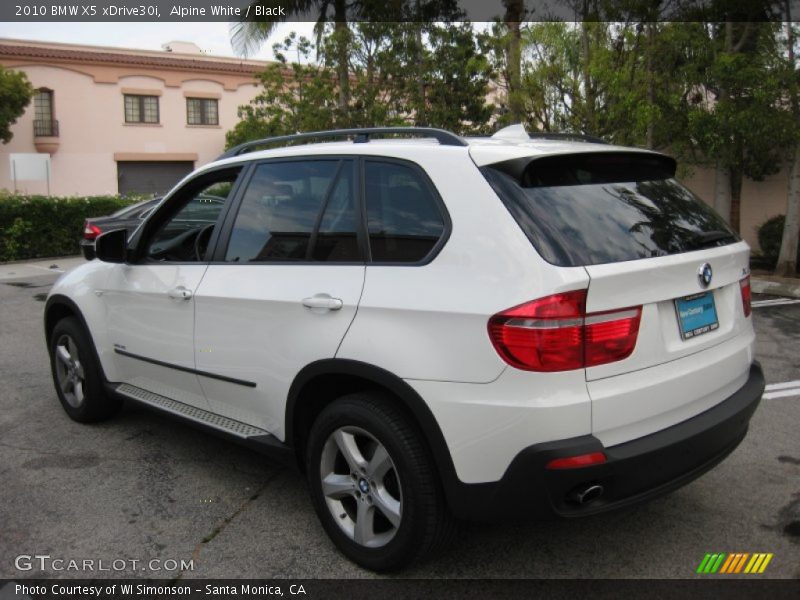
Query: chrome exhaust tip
x=585, y=495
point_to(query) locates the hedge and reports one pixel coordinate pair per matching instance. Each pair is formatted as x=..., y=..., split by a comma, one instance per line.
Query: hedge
x=41, y=226
x=770, y=235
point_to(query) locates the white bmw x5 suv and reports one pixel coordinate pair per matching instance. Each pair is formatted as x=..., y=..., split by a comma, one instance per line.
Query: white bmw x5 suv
x=432, y=327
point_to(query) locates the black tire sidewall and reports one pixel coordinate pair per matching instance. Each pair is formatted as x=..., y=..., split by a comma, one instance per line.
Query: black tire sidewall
x=413, y=476
x=96, y=404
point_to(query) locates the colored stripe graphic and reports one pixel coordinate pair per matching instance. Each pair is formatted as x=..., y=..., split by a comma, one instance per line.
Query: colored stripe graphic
x=766, y=562
x=735, y=562
x=725, y=567
x=740, y=564
x=703, y=563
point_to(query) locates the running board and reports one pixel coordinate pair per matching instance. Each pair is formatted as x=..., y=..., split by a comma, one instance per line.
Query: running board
x=255, y=437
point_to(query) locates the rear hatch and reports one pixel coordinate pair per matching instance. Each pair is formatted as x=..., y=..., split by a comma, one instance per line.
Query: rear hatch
x=648, y=245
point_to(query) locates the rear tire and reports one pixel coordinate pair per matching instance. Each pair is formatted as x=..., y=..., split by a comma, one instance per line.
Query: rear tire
x=77, y=375
x=374, y=485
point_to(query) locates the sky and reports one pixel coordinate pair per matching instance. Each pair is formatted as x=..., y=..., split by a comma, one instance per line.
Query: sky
x=213, y=37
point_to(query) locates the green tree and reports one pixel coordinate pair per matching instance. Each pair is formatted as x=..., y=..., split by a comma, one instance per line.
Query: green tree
x=787, y=258
x=248, y=35
x=734, y=114
x=15, y=94
x=385, y=68
x=296, y=96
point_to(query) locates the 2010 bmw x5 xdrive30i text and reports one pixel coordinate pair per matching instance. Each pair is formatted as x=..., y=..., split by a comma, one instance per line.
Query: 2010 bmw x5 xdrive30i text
x=432, y=327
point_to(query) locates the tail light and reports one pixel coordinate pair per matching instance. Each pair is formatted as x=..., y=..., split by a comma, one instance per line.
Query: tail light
x=91, y=231
x=556, y=334
x=577, y=462
x=744, y=286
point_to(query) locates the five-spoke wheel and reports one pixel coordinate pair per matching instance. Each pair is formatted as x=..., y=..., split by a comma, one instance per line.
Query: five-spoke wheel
x=361, y=486
x=374, y=483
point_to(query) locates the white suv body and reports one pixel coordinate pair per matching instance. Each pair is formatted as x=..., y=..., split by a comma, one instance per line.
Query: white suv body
x=609, y=399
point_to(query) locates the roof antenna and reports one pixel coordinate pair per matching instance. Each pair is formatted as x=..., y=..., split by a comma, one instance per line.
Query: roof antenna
x=512, y=133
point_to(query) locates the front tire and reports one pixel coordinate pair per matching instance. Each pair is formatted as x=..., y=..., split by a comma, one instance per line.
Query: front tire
x=77, y=374
x=374, y=485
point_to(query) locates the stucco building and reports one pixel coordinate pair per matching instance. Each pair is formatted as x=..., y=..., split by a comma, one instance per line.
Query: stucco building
x=117, y=120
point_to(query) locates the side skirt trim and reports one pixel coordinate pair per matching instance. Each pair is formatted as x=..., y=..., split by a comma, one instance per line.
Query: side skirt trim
x=160, y=363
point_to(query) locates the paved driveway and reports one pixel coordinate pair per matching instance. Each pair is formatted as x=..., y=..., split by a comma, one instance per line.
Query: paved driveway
x=143, y=488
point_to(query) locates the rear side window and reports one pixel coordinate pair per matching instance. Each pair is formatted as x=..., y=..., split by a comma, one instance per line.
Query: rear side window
x=297, y=211
x=602, y=208
x=404, y=221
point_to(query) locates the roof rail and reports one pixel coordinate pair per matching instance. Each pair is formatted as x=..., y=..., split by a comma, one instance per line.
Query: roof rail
x=362, y=135
x=578, y=137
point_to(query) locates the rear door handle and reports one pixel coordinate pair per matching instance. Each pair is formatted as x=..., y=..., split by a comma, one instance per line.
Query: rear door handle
x=180, y=293
x=323, y=302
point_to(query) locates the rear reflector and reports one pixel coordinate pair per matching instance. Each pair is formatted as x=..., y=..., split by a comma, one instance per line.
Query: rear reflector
x=90, y=231
x=576, y=462
x=556, y=334
x=744, y=286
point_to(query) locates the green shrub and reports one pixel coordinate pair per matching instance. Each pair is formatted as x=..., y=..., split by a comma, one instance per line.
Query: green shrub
x=40, y=226
x=770, y=234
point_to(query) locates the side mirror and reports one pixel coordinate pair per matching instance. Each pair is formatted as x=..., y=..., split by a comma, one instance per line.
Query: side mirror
x=112, y=247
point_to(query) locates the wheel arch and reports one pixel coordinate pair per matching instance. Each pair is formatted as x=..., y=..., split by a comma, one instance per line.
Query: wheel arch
x=321, y=382
x=60, y=307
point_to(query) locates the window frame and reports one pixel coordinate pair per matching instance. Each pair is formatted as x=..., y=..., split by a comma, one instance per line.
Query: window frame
x=140, y=101
x=203, y=112
x=362, y=233
x=426, y=181
x=165, y=210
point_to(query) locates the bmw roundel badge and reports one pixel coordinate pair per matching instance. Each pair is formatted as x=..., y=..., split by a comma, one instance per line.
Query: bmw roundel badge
x=704, y=275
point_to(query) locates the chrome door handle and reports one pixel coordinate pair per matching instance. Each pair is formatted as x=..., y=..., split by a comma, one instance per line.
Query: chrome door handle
x=322, y=301
x=180, y=293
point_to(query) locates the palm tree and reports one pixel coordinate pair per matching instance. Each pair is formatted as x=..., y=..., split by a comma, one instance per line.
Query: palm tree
x=247, y=36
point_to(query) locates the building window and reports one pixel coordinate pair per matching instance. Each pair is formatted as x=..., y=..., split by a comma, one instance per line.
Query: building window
x=202, y=111
x=141, y=109
x=43, y=122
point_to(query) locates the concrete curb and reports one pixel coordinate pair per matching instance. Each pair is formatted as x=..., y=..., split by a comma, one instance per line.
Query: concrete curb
x=776, y=286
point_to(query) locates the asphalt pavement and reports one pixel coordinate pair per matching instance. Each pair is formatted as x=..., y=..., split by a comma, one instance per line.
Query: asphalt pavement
x=144, y=496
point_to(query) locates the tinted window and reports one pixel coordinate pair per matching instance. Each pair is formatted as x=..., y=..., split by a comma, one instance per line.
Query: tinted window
x=184, y=234
x=297, y=211
x=403, y=218
x=588, y=213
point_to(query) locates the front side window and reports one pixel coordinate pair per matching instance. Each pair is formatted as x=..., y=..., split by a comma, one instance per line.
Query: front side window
x=141, y=109
x=297, y=211
x=202, y=111
x=183, y=233
x=403, y=217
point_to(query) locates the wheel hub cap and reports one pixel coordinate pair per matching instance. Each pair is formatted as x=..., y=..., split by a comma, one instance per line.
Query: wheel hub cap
x=361, y=486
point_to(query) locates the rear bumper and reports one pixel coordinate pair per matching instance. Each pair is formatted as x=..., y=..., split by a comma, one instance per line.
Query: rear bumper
x=635, y=471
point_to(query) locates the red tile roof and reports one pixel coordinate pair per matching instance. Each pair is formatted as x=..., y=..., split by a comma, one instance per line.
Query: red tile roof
x=137, y=59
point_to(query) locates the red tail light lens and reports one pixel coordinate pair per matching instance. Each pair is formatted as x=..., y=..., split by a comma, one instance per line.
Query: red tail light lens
x=576, y=462
x=90, y=231
x=744, y=286
x=611, y=336
x=556, y=334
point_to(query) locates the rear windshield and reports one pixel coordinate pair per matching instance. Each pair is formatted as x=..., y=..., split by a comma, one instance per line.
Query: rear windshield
x=602, y=208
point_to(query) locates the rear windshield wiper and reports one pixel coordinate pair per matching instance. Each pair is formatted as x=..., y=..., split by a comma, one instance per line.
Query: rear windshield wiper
x=711, y=238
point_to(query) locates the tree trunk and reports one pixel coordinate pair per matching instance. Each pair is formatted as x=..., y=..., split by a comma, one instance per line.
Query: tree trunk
x=651, y=84
x=787, y=259
x=722, y=191
x=342, y=34
x=589, y=97
x=422, y=106
x=736, y=198
x=514, y=13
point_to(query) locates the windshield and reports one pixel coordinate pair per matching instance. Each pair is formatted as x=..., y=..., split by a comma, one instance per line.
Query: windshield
x=577, y=218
